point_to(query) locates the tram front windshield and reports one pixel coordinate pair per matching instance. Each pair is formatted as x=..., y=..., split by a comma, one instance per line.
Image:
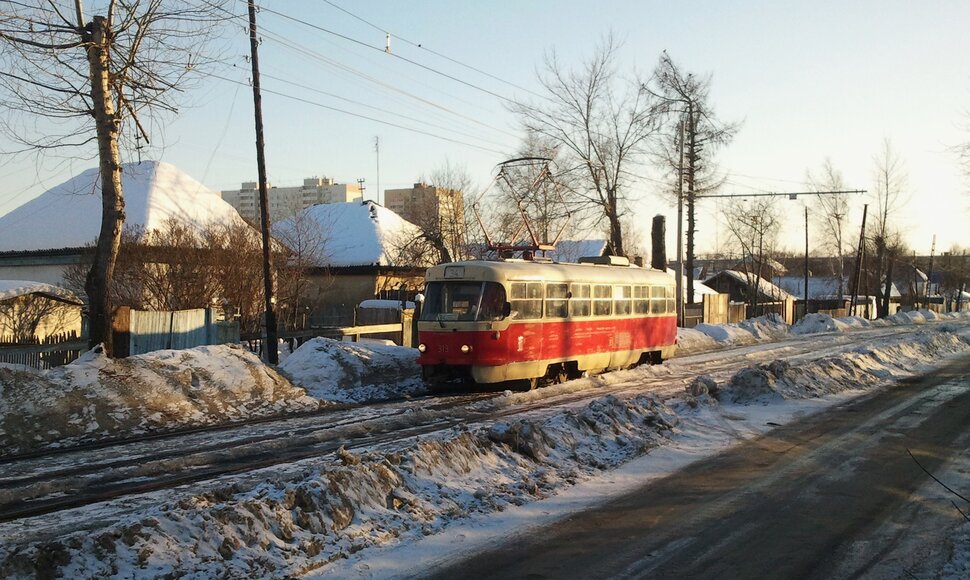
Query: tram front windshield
x=463, y=301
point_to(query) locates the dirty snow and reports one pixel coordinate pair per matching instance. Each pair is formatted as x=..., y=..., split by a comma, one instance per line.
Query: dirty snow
x=393, y=510
x=351, y=372
x=96, y=397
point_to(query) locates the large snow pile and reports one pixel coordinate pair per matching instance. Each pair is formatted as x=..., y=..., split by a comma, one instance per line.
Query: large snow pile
x=726, y=333
x=351, y=372
x=69, y=215
x=304, y=517
x=96, y=397
x=815, y=323
x=767, y=327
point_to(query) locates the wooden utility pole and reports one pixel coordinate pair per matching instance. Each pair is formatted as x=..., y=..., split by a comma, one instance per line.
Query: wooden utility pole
x=929, y=274
x=806, y=260
x=272, y=338
x=680, y=230
x=858, y=261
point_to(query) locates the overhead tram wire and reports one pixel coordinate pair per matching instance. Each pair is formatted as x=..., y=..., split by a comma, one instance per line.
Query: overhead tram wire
x=317, y=56
x=366, y=117
x=438, y=54
x=378, y=82
x=282, y=40
x=378, y=109
x=397, y=56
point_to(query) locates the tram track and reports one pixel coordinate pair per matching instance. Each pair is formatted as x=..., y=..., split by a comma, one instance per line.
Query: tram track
x=31, y=487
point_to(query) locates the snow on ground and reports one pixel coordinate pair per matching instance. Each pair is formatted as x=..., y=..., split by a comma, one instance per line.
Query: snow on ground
x=351, y=372
x=393, y=510
x=96, y=397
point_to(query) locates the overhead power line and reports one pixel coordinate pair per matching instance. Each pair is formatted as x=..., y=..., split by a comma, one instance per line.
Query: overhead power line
x=394, y=55
x=438, y=54
x=369, y=118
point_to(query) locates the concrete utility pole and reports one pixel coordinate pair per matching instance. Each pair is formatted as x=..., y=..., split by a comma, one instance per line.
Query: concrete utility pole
x=272, y=339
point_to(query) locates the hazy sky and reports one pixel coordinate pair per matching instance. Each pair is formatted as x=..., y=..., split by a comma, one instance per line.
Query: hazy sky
x=808, y=80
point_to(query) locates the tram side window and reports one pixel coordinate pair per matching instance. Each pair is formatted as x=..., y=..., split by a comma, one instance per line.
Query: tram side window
x=602, y=300
x=526, y=300
x=579, y=304
x=556, y=304
x=622, y=304
x=670, y=293
x=658, y=302
x=641, y=299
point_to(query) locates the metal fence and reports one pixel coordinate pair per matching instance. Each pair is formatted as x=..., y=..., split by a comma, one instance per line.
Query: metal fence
x=141, y=331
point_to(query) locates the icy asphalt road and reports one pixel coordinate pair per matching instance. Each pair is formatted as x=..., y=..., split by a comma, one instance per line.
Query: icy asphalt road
x=811, y=499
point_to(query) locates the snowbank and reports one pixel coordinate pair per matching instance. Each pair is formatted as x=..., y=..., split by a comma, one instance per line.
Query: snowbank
x=815, y=323
x=352, y=372
x=96, y=397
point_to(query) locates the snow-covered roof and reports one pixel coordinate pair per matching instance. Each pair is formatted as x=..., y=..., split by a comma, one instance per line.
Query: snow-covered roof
x=69, y=215
x=349, y=234
x=818, y=286
x=700, y=289
x=572, y=250
x=764, y=287
x=14, y=288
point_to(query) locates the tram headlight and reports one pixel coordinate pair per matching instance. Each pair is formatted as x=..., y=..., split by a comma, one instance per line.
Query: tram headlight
x=422, y=347
x=465, y=348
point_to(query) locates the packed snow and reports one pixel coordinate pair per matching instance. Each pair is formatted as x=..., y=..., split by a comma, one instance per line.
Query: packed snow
x=351, y=372
x=389, y=511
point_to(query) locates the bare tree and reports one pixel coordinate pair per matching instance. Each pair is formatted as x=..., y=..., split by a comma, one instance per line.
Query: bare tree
x=305, y=240
x=832, y=216
x=889, y=185
x=73, y=81
x=442, y=219
x=600, y=123
x=175, y=267
x=754, y=226
x=691, y=138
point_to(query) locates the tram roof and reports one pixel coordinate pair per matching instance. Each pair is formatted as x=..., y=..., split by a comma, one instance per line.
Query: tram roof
x=521, y=270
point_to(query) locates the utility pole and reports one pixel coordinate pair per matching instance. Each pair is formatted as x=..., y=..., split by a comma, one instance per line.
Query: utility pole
x=272, y=340
x=929, y=275
x=377, y=151
x=858, y=261
x=360, y=186
x=680, y=230
x=806, y=260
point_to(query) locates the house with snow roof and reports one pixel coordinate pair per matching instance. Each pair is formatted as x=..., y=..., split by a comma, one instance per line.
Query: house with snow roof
x=749, y=288
x=33, y=311
x=353, y=252
x=42, y=238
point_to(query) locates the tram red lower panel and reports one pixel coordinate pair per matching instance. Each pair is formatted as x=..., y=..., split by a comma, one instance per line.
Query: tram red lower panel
x=546, y=340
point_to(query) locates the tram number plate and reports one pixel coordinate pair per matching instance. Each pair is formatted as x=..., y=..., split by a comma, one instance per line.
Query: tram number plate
x=454, y=271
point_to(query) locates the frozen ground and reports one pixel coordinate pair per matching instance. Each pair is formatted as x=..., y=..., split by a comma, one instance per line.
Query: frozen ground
x=396, y=508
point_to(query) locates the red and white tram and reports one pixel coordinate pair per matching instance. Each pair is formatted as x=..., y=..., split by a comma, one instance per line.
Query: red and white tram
x=486, y=322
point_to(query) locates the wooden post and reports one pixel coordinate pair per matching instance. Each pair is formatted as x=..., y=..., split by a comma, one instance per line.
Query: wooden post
x=121, y=332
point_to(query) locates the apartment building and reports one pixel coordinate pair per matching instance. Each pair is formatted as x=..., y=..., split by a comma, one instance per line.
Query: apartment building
x=436, y=210
x=286, y=201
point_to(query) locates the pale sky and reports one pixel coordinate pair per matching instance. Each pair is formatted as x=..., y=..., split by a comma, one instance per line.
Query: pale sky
x=809, y=80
